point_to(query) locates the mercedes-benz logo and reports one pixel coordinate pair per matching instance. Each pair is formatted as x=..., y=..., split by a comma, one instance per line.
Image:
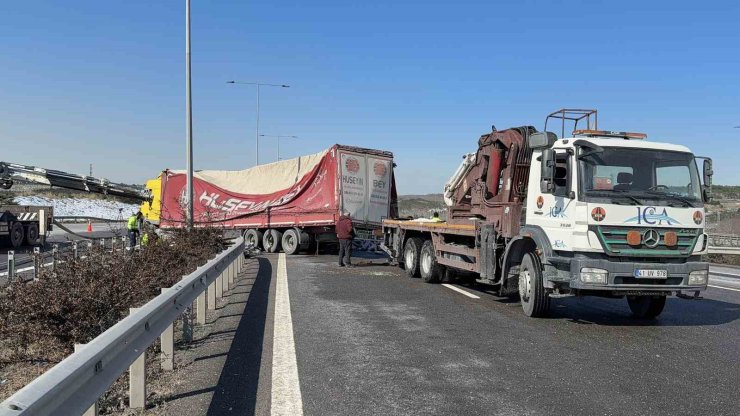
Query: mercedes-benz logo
x=651, y=238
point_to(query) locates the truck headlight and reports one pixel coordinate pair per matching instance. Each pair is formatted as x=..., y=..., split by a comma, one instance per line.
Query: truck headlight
x=698, y=277
x=594, y=276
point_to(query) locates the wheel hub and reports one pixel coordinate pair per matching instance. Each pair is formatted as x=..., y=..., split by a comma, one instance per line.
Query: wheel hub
x=524, y=284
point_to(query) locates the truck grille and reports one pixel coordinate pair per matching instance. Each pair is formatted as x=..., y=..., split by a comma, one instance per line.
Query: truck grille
x=614, y=241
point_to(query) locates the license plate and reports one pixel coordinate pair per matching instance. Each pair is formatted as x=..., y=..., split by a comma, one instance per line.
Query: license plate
x=651, y=274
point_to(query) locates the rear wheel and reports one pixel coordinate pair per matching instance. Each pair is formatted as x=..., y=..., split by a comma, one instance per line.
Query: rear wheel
x=291, y=241
x=535, y=301
x=429, y=269
x=253, y=237
x=32, y=234
x=16, y=234
x=271, y=240
x=411, y=253
x=646, y=307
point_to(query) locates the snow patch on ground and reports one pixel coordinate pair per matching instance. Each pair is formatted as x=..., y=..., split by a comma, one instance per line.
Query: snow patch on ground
x=80, y=207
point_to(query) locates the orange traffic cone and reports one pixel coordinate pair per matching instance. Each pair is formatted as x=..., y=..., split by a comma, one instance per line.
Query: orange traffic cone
x=89, y=226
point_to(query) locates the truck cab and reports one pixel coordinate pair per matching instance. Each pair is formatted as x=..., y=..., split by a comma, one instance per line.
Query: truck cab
x=616, y=215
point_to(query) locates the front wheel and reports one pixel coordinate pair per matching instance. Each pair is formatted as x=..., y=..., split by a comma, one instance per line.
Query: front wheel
x=646, y=307
x=535, y=301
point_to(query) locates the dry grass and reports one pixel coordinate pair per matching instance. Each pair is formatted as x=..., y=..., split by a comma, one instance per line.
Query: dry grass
x=41, y=321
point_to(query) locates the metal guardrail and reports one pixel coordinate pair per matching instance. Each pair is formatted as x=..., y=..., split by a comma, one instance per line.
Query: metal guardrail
x=74, y=385
x=724, y=244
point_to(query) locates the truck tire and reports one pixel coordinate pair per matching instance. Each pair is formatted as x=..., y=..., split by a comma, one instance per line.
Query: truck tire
x=16, y=234
x=291, y=241
x=271, y=240
x=32, y=234
x=411, y=254
x=430, y=270
x=534, y=299
x=253, y=237
x=646, y=307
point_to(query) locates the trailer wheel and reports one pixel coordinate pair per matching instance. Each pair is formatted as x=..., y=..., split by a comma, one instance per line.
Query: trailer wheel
x=254, y=237
x=429, y=269
x=646, y=307
x=271, y=240
x=16, y=234
x=535, y=301
x=291, y=241
x=32, y=234
x=411, y=256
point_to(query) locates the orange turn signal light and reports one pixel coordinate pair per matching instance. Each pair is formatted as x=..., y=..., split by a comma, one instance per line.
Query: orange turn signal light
x=670, y=238
x=634, y=238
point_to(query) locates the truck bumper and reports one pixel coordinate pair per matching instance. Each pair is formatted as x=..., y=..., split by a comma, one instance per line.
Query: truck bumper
x=621, y=279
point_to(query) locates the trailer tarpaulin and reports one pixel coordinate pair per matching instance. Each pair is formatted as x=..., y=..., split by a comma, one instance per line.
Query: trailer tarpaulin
x=283, y=190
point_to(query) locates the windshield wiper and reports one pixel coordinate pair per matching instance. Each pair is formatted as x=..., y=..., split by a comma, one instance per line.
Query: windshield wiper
x=675, y=197
x=618, y=194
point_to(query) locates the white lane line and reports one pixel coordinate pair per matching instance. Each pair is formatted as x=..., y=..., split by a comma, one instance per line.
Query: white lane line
x=286, y=389
x=725, y=288
x=457, y=289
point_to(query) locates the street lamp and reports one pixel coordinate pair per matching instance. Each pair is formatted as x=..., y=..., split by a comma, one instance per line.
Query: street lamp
x=257, y=134
x=278, y=141
x=188, y=123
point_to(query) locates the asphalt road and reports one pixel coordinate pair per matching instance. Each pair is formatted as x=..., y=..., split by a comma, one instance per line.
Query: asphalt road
x=372, y=341
x=323, y=340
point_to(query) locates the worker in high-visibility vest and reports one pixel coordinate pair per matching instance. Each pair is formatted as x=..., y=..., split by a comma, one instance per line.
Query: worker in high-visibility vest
x=133, y=228
x=435, y=218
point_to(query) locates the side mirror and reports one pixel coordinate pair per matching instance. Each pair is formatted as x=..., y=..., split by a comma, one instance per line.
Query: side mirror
x=542, y=140
x=708, y=173
x=547, y=175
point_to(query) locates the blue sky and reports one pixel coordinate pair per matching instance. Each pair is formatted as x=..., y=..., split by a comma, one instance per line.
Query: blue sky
x=103, y=82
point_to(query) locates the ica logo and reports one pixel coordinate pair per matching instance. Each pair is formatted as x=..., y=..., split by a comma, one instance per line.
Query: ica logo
x=651, y=216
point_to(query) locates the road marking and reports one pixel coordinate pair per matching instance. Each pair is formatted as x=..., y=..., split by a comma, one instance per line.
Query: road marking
x=725, y=288
x=457, y=289
x=286, y=389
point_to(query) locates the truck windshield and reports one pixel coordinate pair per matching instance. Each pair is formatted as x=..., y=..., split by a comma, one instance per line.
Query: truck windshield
x=639, y=176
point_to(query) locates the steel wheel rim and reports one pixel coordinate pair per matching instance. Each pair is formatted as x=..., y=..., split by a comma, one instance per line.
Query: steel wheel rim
x=409, y=258
x=426, y=262
x=524, y=284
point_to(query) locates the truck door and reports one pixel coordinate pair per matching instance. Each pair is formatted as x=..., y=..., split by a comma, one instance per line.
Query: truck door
x=554, y=212
x=365, y=186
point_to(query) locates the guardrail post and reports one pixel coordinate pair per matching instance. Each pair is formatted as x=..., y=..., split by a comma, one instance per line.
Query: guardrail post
x=220, y=286
x=225, y=280
x=212, y=296
x=231, y=274
x=11, y=266
x=36, y=262
x=137, y=379
x=187, y=324
x=75, y=250
x=167, y=341
x=201, y=309
x=93, y=410
x=54, y=254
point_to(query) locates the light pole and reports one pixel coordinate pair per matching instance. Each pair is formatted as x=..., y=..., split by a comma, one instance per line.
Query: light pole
x=188, y=121
x=278, y=141
x=257, y=133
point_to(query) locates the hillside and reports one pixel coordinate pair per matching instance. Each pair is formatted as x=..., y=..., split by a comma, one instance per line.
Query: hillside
x=421, y=206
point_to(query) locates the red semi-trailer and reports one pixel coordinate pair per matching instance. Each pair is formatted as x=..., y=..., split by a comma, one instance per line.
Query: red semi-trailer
x=290, y=204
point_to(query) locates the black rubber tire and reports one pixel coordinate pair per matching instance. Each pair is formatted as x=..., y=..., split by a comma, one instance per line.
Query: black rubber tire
x=271, y=240
x=646, y=307
x=535, y=300
x=429, y=269
x=254, y=236
x=16, y=235
x=32, y=234
x=291, y=242
x=411, y=253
